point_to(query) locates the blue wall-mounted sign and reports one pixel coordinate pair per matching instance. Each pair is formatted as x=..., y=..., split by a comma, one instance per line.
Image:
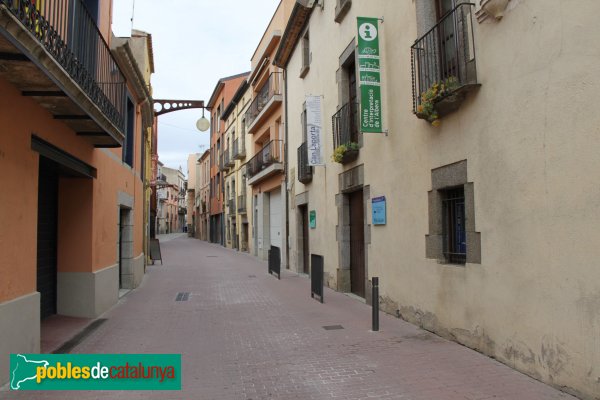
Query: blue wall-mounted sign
x=378, y=210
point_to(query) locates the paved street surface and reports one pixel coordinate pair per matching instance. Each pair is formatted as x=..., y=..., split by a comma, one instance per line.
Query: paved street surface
x=245, y=335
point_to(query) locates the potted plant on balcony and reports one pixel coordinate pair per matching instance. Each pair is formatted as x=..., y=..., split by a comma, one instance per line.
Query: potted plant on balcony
x=345, y=153
x=439, y=100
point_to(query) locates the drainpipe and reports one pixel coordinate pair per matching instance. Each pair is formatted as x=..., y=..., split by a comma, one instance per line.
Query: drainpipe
x=285, y=173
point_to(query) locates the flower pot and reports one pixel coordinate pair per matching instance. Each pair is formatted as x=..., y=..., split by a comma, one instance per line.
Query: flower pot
x=349, y=156
x=449, y=104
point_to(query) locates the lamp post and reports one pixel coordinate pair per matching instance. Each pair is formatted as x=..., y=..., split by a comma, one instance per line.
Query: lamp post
x=166, y=106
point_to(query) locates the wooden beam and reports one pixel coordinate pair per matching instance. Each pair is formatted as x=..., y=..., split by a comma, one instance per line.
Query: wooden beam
x=92, y=134
x=42, y=93
x=13, y=57
x=72, y=117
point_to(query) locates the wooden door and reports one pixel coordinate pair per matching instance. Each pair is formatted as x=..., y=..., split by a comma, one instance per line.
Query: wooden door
x=357, y=244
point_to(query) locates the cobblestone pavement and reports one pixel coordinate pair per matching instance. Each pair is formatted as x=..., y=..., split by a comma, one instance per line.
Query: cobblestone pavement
x=245, y=335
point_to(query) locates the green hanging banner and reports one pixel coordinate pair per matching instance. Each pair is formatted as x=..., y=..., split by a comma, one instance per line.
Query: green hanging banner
x=369, y=70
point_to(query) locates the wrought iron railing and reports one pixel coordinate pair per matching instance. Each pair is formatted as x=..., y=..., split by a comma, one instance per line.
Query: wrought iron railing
x=271, y=88
x=221, y=164
x=241, y=203
x=445, y=54
x=270, y=154
x=226, y=158
x=345, y=125
x=305, y=171
x=69, y=33
x=239, y=149
x=232, y=205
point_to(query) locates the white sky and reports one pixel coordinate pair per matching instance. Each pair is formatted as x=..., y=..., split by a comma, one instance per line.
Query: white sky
x=195, y=43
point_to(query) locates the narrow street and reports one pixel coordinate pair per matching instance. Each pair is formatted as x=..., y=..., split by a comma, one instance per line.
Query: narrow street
x=245, y=335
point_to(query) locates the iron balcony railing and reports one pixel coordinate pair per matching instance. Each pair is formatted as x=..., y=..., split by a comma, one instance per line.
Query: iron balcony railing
x=305, y=171
x=271, y=88
x=445, y=54
x=271, y=154
x=69, y=33
x=226, y=159
x=241, y=204
x=239, y=149
x=345, y=125
x=232, y=205
x=221, y=164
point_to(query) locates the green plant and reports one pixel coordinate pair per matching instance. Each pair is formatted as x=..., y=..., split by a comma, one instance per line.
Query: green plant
x=435, y=93
x=338, y=152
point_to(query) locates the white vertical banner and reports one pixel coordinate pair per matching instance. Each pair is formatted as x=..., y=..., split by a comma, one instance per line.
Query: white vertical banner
x=314, y=127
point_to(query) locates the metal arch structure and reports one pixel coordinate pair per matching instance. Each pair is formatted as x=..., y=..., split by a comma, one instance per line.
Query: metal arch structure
x=167, y=106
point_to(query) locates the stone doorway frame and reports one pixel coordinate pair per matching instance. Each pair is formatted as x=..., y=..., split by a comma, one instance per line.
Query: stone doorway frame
x=350, y=181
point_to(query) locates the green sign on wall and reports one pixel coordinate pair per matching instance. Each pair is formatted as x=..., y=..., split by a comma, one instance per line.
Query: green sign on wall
x=312, y=219
x=370, y=75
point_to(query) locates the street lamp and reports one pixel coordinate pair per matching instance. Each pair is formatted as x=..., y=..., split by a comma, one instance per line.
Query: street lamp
x=167, y=106
x=202, y=125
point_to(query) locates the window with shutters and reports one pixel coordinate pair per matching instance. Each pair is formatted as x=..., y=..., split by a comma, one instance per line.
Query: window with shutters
x=305, y=54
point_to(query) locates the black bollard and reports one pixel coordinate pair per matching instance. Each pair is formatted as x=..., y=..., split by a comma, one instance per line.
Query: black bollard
x=375, y=304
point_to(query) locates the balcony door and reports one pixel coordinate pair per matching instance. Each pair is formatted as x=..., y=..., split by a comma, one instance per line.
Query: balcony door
x=352, y=101
x=447, y=39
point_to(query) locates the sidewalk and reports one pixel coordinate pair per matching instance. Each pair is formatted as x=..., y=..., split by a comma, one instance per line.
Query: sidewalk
x=167, y=237
x=246, y=335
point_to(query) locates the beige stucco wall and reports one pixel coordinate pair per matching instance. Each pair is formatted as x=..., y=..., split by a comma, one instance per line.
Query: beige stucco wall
x=530, y=136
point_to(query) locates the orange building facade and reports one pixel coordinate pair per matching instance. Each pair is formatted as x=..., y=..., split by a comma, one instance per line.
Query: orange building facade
x=220, y=98
x=72, y=153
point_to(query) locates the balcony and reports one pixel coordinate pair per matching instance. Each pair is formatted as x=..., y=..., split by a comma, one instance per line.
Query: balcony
x=241, y=204
x=229, y=160
x=239, y=149
x=264, y=102
x=55, y=54
x=221, y=162
x=443, y=65
x=345, y=124
x=232, y=204
x=267, y=162
x=305, y=171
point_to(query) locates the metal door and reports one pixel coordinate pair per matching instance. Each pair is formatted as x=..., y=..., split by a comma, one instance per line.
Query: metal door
x=275, y=218
x=305, y=251
x=47, y=232
x=357, y=244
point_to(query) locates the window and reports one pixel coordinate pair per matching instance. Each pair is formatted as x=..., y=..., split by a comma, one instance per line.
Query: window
x=305, y=55
x=452, y=238
x=341, y=9
x=453, y=220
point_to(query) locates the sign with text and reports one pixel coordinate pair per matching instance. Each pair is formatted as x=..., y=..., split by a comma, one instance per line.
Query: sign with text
x=314, y=130
x=369, y=70
x=378, y=210
x=95, y=371
x=312, y=219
